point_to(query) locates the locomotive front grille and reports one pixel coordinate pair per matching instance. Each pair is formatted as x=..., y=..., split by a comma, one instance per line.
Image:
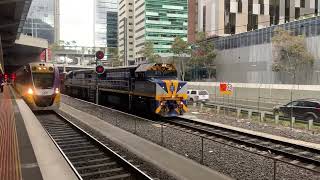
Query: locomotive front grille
x=44, y=101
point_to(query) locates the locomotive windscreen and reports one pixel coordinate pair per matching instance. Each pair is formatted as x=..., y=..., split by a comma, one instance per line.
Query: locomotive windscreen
x=164, y=74
x=43, y=80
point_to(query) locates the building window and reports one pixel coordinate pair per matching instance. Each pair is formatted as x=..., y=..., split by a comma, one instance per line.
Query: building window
x=316, y=6
x=287, y=11
x=297, y=13
x=303, y=3
x=261, y=7
x=239, y=6
x=130, y=10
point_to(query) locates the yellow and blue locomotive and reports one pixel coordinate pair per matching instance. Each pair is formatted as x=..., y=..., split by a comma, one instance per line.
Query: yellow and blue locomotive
x=151, y=88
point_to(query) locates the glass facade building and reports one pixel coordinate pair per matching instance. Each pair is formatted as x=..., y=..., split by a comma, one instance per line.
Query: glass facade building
x=40, y=20
x=160, y=22
x=105, y=23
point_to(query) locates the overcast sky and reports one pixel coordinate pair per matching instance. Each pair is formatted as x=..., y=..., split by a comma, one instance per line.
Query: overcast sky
x=76, y=21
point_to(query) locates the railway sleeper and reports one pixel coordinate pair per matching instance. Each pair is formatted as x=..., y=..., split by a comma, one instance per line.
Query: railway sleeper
x=62, y=138
x=92, y=162
x=62, y=146
x=87, y=156
x=121, y=176
x=104, y=174
x=81, y=152
x=62, y=142
x=78, y=148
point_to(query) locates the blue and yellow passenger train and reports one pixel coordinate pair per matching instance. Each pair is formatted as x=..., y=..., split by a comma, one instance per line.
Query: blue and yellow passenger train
x=151, y=88
x=39, y=85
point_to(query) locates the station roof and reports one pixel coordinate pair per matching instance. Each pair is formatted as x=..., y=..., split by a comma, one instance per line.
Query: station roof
x=13, y=14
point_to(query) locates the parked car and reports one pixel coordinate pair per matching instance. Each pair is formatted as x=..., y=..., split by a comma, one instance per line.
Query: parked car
x=305, y=109
x=197, y=95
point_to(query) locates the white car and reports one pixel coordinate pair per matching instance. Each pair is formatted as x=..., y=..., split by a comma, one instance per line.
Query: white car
x=197, y=95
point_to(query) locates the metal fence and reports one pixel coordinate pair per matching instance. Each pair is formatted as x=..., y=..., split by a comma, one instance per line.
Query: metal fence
x=237, y=161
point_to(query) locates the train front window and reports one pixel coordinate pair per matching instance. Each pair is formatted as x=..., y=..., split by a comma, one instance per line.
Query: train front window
x=162, y=74
x=43, y=80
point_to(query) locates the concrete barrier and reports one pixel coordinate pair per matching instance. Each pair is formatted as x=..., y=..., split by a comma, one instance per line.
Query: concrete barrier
x=276, y=119
x=310, y=124
x=293, y=120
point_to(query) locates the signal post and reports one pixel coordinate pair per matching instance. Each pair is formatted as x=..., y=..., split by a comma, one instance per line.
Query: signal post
x=99, y=70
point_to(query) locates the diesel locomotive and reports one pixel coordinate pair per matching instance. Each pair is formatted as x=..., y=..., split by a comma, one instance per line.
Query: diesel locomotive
x=149, y=88
x=39, y=85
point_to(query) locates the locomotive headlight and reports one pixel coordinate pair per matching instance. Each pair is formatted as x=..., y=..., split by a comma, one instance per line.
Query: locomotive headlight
x=181, y=103
x=57, y=91
x=30, y=91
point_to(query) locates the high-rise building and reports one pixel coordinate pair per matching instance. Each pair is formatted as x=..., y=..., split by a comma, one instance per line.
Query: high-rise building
x=159, y=22
x=225, y=17
x=196, y=17
x=40, y=20
x=125, y=31
x=105, y=23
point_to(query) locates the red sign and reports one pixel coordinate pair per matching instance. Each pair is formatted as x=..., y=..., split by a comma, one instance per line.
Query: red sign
x=44, y=55
x=225, y=88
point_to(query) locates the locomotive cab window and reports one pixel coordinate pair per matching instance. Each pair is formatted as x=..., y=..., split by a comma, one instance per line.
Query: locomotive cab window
x=43, y=80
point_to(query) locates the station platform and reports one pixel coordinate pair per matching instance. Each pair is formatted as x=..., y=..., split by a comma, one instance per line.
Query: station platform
x=174, y=164
x=26, y=151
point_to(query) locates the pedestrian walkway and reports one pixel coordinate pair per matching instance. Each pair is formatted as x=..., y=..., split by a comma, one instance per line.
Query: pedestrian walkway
x=9, y=152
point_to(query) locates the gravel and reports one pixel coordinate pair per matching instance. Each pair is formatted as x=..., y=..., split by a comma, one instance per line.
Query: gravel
x=270, y=128
x=231, y=161
x=146, y=167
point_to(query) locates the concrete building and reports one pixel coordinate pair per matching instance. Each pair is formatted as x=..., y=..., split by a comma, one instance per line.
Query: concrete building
x=248, y=57
x=225, y=17
x=40, y=21
x=105, y=23
x=197, y=18
x=159, y=22
x=126, y=31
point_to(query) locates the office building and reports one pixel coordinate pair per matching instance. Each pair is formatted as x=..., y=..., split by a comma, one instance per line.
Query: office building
x=159, y=22
x=225, y=17
x=125, y=31
x=105, y=23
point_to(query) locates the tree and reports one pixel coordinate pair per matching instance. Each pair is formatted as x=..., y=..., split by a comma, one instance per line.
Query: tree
x=291, y=55
x=181, y=49
x=114, y=57
x=148, y=53
x=204, y=54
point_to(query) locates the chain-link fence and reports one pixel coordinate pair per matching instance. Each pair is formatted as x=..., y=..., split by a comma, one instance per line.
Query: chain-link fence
x=234, y=160
x=273, y=72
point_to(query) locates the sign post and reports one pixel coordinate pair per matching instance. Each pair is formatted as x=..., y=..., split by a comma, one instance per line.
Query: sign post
x=99, y=70
x=226, y=88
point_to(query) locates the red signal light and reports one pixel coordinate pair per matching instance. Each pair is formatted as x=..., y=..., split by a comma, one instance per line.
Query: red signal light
x=99, y=69
x=13, y=76
x=99, y=55
x=5, y=76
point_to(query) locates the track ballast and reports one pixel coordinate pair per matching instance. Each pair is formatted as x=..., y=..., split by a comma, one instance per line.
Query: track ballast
x=89, y=158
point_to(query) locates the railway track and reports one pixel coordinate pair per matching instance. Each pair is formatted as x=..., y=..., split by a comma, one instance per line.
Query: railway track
x=297, y=155
x=89, y=158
